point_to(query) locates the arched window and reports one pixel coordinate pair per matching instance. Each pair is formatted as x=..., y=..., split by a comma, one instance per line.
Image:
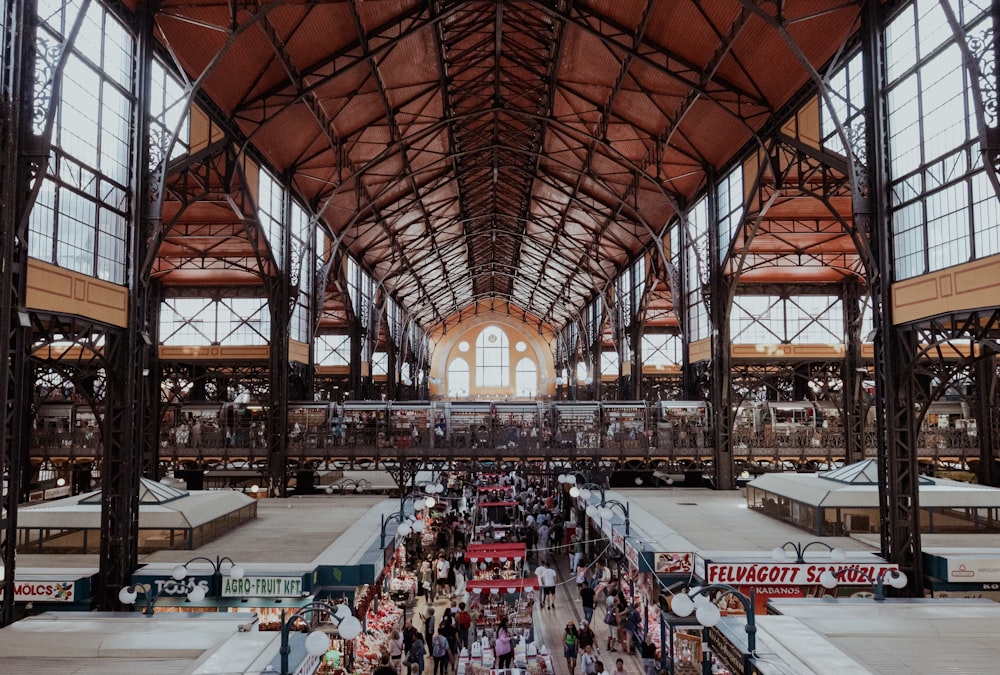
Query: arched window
x=492, y=358
x=458, y=378
x=526, y=379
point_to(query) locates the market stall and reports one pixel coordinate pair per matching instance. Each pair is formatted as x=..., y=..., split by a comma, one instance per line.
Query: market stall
x=493, y=599
x=494, y=519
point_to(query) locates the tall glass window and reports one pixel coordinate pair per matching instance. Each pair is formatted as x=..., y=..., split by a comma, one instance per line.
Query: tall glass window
x=458, y=378
x=492, y=358
x=80, y=219
x=943, y=211
x=526, y=378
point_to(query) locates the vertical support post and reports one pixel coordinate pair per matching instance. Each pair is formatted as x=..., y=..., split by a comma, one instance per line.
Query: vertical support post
x=853, y=402
x=280, y=298
x=894, y=347
x=721, y=385
x=127, y=405
x=16, y=166
x=986, y=390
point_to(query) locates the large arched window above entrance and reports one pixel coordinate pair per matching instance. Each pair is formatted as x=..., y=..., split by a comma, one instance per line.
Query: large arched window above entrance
x=492, y=358
x=458, y=378
x=526, y=379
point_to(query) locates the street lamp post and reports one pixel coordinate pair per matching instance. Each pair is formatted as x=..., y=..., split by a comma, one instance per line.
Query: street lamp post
x=317, y=642
x=604, y=509
x=129, y=594
x=197, y=594
x=708, y=614
x=894, y=578
x=782, y=554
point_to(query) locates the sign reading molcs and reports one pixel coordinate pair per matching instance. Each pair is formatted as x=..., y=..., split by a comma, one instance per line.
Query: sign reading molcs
x=262, y=587
x=43, y=591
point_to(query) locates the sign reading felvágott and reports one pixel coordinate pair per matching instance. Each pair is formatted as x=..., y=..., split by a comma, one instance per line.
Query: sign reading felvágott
x=751, y=574
x=262, y=587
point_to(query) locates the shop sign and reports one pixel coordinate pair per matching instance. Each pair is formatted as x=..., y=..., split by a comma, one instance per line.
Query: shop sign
x=673, y=563
x=262, y=587
x=168, y=587
x=974, y=570
x=618, y=540
x=43, y=591
x=791, y=574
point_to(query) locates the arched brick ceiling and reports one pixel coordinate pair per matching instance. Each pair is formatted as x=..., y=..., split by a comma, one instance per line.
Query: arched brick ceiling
x=523, y=150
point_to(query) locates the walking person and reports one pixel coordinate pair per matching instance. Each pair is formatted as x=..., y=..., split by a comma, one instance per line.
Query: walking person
x=429, y=622
x=416, y=655
x=504, y=645
x=464, y=621
x=648, y=654
x=570, y=646
x=588, y=661
x=585, y=636
x=395, y=650
x=441, y=652
x=587, y=596
x=549, y=579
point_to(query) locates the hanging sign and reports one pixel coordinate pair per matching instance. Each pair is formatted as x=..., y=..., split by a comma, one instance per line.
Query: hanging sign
x=262, y=587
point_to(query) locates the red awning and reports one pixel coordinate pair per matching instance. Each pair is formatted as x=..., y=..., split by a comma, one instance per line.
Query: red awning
x=497, y=503
x=488, y=488
x=502, y=585
x=500, y=552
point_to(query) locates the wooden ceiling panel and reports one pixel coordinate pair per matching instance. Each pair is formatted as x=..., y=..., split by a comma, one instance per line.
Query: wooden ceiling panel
x=451, y=143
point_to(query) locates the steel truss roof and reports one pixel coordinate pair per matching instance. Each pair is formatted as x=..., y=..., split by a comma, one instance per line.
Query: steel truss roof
x=519, y=150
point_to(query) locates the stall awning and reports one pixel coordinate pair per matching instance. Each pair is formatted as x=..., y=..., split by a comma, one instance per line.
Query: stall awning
x=485, y=504
x=491, y=488
x=501, y=585
x=501, y=552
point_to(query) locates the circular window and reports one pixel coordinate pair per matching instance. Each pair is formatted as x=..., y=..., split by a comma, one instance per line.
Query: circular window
x=521, y=345
x=463, y=346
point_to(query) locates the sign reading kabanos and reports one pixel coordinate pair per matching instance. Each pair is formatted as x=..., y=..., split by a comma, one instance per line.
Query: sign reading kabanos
x=780, y=574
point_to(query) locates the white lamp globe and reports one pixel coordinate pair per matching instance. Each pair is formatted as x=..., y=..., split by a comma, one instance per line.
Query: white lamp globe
x=430, y=502
x=779, y=554
x=828, y=579
x=127, y=596
x=419, y=526
x=196, y=594
x=585, y=493
x=838, y=554
x=317, y=642
x=561, y=478
x=701, y=600
x=404, y=530
x=342, y=612
x=571, y=479
x=419, y=503
x=708, y=615
x=606, y=513
x=237, y=572
x=179, y=572
x=682, y=604
x=574, y=492
x=896, y=579
x=349, y=628
x=592, y=511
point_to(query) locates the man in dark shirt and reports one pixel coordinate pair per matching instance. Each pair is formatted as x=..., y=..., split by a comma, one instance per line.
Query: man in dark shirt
x=587, y=595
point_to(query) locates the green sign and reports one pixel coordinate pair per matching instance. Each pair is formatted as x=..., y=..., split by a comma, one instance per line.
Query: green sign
x=262, y=587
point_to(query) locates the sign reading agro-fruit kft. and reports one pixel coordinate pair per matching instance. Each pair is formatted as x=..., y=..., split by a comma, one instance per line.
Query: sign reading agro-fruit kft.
x=262, y=587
